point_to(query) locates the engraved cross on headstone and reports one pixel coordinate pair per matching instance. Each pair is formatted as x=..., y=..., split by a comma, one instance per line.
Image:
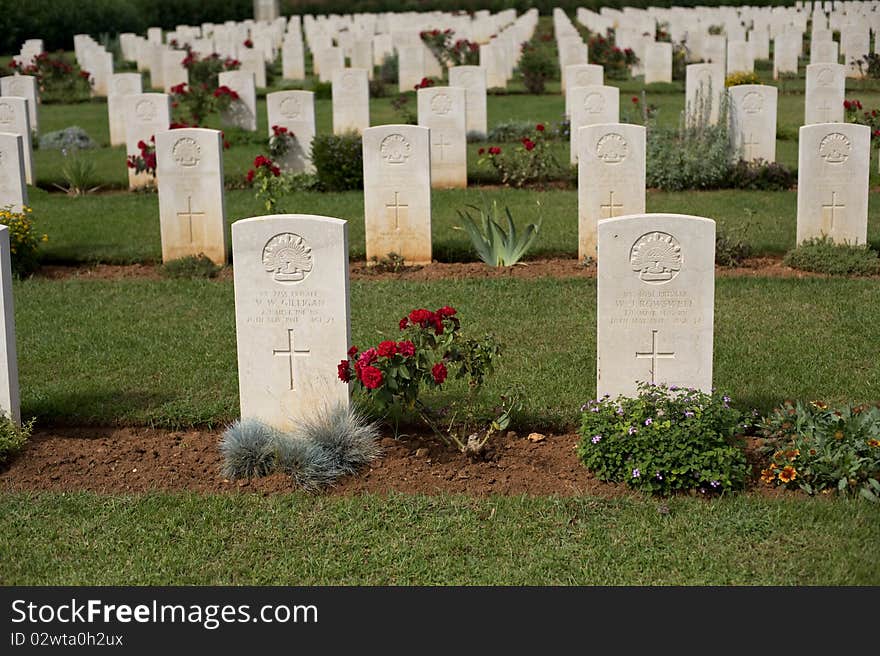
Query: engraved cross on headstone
x=442, y=143
x=826, y=108
x=610, y=206
x=831, y=207
x=396, y=206
x=290, y=354
x=654, y=355
x=748, y=143
x=188, y=216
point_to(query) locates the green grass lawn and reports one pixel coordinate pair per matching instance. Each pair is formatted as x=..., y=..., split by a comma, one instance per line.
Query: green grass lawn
x=85, y=539
x=163, y=352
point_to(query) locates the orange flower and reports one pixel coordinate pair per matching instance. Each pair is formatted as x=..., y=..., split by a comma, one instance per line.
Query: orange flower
x=812, y=452
x=788, y=474
x=874, y=443
x=791, y=455
x=767, y=476
x=838, y=435
x=778, y=454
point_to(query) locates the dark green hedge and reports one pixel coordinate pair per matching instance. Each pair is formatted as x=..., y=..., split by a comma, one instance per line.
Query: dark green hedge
x=56, y=21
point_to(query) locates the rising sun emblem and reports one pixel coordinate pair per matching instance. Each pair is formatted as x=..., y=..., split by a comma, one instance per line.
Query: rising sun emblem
x=287, y=257
x=656, y=257
x=835, y=148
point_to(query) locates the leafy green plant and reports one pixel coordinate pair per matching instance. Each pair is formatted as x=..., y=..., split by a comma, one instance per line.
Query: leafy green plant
x=192, y=266
x=824, y=449
x=536, y=67
x=78, y=172
x=758, y=175
x=23, y=239
x=13, y=437
x=59, y=79
x=338, y=160
x=822, y=255
x=393, y=374
x=616, y=61
x=664, y=440
x=731, y=249
x=494, y=245
x=533, y=162
x=741, y=77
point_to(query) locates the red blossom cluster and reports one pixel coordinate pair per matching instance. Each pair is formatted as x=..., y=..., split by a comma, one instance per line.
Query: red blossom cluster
x=281, y=131
x=146, y=161
x=527, y=143
x=852, y=104
x=179, y=89
x=493, y=150
x=248, y=43
x=263, y=162
x=425, y=318
x=364, y=369
x=464, y=44
x=425, y=83
x=224, y=90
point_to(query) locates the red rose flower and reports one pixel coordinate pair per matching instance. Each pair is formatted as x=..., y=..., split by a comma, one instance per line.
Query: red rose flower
x=352, y=351
x=343, y=370
x=250, y=175
x=403, y=323
x=481, y=151
x=494, y=150
x=438, y=371
x=528, y=144
x=371, y=377
x=447, y=311
x=437, y=322
x=368, y=357
x=406, y=348
x=539, y=127
x=420, y=316
x=387, y=349
x=635, y=100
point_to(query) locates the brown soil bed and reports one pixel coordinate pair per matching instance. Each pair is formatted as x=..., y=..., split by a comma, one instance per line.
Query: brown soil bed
x=771, y=267
x=138, y=460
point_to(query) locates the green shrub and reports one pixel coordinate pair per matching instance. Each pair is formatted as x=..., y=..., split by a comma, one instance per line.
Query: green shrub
x=23, y=240
x=191, y=266
x=824, y=449
x=691, y=158
x=59, y=78
x=741, y=77
x=72, y=137
x=338, y=161
x=617, y=62
x=822, y=255
x=388, y=70
x=664, y=440
x=510, y=131
x=323, y=90
x=730, y=250
x=761, y=176
x=536, y=66
x=13, y=437
x=493, y=245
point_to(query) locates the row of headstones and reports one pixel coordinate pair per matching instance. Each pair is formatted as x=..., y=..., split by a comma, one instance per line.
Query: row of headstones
x=655, y=309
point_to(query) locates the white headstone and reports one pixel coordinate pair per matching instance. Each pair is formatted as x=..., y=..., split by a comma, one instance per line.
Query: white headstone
x=704, y=86
x=611, y=177
x=351, y=100
x=294, y=110
x=23, y=86
x=192, y=216
x=473, y=80
x=397, y=192
x=786, y=49
x=13, y=189
x=582, y=75
x=833, y=170
x=252, y=62
x=655, y=298
x=410, y=67
x=589, y=106
x=242, y=113
x=293, y=66
x=753, y=121
x=146, y=114
x=823, y=52
x=739, y=57
x=291, y=315
x=121, y=85
x=442, y=109
x=9, y=392
x=658, y=62
x=14, y=119
x=825, y=91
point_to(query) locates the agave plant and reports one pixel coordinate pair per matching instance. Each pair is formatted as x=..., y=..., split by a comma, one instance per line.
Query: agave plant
x=493, y=245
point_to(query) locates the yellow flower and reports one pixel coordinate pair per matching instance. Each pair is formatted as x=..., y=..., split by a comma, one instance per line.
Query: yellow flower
x=838, y=435
x=788, y=474
x=778, y=455
x=767, y=476
x=791, y=455
x=873, y=442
